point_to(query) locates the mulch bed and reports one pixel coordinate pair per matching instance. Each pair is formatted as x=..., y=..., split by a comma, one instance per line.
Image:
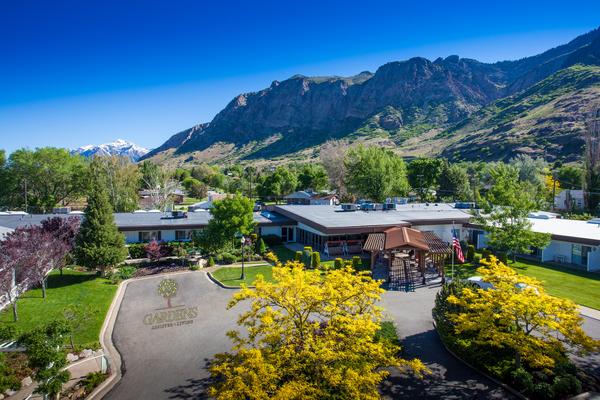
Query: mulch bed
x=159, y=269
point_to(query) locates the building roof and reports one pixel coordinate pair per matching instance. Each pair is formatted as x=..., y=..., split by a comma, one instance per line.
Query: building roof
x=584, y=232
x=301, y=194
x=147, y=220
x=331, y=219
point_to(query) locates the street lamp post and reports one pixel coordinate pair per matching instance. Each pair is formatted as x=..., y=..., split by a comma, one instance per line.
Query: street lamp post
x=243, y=241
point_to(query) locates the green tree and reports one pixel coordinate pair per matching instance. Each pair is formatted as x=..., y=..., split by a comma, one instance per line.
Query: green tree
x=99, y=244
x=261, y=248
x=375, y=173
x=506, y=207
x=312, y=176
x=45, y=356
x=46, y=177
x=570, y=177
x=195, y=188
x=122, y=179
x=454, y=183
x=231, y=215
x=424, y=174
x=280, y=183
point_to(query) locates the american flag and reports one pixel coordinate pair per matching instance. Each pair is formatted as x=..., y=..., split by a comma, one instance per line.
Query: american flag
x=458, y=249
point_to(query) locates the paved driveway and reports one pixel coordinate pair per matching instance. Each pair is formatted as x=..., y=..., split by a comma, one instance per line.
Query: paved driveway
x=166, y=359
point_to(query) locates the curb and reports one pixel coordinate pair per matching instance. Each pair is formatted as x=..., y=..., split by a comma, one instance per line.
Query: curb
x=110, y=351
x=222, y=285
x=503, y=385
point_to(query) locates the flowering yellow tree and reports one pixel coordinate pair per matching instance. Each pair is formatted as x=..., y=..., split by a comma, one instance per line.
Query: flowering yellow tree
x=519, y=315
x=310, y=336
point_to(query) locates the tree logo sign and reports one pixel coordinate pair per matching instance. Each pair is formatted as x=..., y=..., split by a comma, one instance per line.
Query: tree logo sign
x=167, y=288
x=171, y=315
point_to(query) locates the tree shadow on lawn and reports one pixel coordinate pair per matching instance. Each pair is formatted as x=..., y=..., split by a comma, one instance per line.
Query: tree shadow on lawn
x=55, y=281
x=449, y=378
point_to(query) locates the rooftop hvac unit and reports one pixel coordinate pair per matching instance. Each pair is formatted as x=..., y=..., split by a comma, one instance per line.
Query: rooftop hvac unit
x=61, y=210
x=179, y=214
x=349, y=207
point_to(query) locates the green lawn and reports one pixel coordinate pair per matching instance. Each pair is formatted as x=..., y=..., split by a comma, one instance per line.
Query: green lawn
x=72, y=288
x=230, y=276
x=580, y=286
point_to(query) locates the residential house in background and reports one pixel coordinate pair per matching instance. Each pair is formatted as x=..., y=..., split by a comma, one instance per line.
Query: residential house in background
x=569, y=200
x=309, y=197
x=207, y=204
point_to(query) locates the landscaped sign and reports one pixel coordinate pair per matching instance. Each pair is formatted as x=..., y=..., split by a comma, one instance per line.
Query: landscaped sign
x=170, y=316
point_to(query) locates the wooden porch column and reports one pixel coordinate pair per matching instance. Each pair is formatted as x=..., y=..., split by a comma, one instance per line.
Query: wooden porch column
x=373, y=258
x=422, y=264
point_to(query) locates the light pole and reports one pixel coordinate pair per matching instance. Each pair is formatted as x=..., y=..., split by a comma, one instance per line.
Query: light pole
x=243, y=241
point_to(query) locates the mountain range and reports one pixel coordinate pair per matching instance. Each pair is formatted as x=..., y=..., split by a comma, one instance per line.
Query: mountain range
x=119, y=147
x=455, y=107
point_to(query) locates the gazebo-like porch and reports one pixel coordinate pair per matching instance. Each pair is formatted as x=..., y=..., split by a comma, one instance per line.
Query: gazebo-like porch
x=402, y=256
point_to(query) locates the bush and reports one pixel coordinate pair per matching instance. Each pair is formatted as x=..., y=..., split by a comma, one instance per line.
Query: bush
x=227, y=258
x=271, y=257
x=566, y=386
x=316, y=260
x=8, y=332
x=194, y=267
x=260, y=247
x=387, y=332
x=485, y=254
x=121, y=274
x=92, y=380
x=137, y=250
x=272, y=240
x=476, y=260
x=521, y=380
x=338, y=263
x=253, y=237
x=298, y=256
x=543, y=391
x=503, y=257
x=307, y=257
x=356, y=263
x=470, y=252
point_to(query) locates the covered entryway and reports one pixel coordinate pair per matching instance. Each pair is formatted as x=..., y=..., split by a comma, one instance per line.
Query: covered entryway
x=404, y=257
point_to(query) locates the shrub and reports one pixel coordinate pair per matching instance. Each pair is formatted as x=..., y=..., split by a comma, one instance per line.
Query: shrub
x=194, y=267
x=210, y=262
x=121, y=274
x=470, y=252
x=565, y=386
x=154, y=250
x=521, y=380
x=228, y=258
x=542, y=391
x=271, y=257
x=8, y=332
x=307, y=257
x=253, y=237
x=298, y=256
x=272, y=240
x=316, y=260
x=260, y=247
x=338, y=263
x=92, y=380
x=387, y=332
x=485, y=254
x=476, y=260
x=356, y=262
x=137, y=250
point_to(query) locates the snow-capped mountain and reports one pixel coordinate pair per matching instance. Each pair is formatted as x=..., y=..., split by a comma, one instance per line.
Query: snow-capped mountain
x=119, y=147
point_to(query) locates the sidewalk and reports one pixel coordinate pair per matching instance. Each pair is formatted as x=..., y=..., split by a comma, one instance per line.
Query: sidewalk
x=590, y=312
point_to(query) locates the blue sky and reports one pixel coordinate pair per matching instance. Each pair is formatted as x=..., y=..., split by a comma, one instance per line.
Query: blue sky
x=76, y=72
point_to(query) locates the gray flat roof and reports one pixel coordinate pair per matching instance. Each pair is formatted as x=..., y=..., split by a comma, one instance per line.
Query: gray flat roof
x=131, y=221
x=327, y=217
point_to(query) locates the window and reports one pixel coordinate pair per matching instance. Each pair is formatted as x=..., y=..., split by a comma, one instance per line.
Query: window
x=579, y=254
x=183, y=235
x=149, y=236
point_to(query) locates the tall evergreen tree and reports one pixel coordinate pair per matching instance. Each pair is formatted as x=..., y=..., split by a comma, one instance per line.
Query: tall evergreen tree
x=99, y=243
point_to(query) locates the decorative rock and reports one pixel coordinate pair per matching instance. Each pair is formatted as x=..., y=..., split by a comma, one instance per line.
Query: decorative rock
x=27, y=381
x=1, y=396
x=85, y=353
x=9, y=392
x=72, y=357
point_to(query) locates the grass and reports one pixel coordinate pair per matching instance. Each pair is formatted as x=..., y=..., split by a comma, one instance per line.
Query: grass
x=73, y=288
x=230, y=276
x=580, y=286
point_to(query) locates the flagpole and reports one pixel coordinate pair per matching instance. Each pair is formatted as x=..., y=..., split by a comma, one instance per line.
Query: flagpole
x=452, y=273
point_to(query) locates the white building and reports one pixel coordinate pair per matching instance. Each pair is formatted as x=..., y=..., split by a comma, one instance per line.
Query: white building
x=568, y=200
